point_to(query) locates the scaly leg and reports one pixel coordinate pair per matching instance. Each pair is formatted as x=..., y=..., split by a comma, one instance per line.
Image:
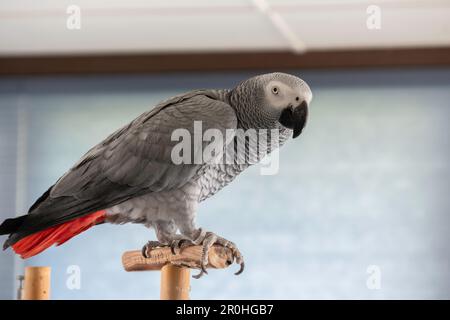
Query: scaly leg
x=185, y=241
x=165, y=233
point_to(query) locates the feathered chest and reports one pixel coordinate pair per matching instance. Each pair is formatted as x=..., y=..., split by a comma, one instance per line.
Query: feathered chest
x=247, y=148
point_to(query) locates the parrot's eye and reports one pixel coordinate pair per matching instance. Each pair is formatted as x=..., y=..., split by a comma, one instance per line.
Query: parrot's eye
x=275, y=90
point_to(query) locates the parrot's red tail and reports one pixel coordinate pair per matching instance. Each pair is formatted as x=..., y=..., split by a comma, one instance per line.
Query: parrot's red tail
x=39, y=241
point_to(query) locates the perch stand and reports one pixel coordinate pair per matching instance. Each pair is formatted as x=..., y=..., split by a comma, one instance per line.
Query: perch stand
x=175, y=268
x=37, y=283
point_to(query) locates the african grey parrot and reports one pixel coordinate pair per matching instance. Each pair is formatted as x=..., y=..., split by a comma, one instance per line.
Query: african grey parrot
x=131, y=176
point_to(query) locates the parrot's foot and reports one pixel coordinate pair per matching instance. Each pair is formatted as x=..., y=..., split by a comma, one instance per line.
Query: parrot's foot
x=208, y=241
x=177, y=242
x=183, y=242
x=149, y=246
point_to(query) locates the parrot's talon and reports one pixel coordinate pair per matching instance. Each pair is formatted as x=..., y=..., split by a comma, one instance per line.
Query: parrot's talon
x=180, y=244
x=198, y=276
x=241, y=269
x=176, y=244
x=173, y=245
x=149, y=246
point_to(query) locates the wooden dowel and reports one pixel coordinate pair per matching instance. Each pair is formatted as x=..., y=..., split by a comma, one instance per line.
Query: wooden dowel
x=175, y=282
x=37, y=283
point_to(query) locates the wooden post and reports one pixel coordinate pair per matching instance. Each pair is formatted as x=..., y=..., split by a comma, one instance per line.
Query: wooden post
x=37, y=283
x=175, y=282
x=175, y=268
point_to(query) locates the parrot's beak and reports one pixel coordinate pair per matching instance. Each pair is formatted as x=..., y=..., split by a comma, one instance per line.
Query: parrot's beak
x=295, y=118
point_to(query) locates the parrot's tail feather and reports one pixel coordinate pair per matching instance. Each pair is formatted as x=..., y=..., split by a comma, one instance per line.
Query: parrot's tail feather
x=39, y=241
x=11, y=225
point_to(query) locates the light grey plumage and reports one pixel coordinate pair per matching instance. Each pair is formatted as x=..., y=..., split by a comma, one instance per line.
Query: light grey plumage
x=132, y=176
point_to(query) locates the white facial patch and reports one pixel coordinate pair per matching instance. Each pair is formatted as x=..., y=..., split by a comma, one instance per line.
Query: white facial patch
x=280, y=95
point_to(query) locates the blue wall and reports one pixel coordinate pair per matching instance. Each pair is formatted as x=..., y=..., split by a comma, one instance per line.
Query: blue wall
x=366, y=184
x=8, y=152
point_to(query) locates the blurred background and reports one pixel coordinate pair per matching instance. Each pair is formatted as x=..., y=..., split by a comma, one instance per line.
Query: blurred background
x=363, y=195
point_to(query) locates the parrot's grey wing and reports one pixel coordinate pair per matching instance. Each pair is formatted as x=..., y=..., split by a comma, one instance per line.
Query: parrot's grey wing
x=134, y=160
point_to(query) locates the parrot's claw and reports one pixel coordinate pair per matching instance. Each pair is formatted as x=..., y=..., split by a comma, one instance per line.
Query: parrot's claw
x=175, y=244
x=179, y=244
x=149, y=246
x=209, y=240
x=241, y=268
x=202, y=272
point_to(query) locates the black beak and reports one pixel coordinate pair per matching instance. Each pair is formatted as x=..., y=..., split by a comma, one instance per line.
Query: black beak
x=295, y=118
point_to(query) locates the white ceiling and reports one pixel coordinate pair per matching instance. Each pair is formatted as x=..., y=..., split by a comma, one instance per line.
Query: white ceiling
x=39, y=27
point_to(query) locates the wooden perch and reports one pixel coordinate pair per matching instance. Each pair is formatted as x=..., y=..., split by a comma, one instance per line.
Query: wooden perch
x=175, y=268
x=219, y=257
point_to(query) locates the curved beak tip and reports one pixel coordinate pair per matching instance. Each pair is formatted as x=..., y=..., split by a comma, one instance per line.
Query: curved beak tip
x=301, y=116
x=297, y=132
x=295, y=119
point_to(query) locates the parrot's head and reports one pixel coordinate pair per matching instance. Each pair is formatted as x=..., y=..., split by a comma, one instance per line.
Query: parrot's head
x=273, y=99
